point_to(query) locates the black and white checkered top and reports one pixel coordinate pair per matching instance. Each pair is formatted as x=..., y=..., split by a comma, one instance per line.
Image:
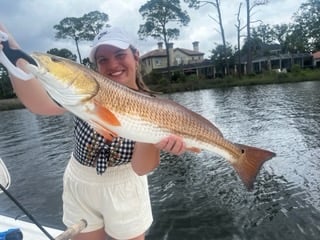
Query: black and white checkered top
x=93, y=150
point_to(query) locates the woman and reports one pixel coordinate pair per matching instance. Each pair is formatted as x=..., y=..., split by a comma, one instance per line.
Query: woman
x=105, y=182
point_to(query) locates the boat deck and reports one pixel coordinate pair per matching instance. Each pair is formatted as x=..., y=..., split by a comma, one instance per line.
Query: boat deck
x=29, y=230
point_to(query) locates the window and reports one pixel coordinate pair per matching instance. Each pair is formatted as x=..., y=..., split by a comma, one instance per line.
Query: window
x=158, y=62
x=178, y=60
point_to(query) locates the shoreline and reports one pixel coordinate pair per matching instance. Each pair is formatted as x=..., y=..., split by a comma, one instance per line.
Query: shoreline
x=10, y=104
x=14, y=103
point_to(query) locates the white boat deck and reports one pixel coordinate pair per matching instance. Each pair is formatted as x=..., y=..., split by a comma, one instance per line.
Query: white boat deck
x=29, y=230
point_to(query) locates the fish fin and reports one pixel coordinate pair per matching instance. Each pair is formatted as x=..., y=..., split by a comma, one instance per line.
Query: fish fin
x=250, y=163
x=106, y=133
x=106, y=115
x=194, y=149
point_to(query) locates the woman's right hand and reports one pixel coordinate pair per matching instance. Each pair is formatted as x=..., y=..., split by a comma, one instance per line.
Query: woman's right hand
x=31, y=93
x=12, y=41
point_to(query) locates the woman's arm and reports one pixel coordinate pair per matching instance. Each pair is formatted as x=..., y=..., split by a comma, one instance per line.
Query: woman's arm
x=146, y=157
x=31, y=93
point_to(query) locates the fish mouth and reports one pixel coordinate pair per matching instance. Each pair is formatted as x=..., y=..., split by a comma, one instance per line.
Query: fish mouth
x=61, y=79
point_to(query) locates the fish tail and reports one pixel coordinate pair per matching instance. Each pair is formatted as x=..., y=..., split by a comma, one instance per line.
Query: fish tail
x=250, y=162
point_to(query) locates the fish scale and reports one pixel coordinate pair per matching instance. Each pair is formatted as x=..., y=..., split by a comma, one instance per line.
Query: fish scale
x=113, y=109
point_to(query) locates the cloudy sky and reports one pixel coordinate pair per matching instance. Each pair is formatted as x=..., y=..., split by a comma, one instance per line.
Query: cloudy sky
x=32, y=21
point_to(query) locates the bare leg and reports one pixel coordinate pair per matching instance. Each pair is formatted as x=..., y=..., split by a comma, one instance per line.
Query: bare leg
x=141, y=237
x=95, y=235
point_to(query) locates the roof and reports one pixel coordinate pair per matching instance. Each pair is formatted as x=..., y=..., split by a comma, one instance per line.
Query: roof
x=316, y=55
x=155, y=53
x=162, y=53
x=276, y=57
x=189, y=52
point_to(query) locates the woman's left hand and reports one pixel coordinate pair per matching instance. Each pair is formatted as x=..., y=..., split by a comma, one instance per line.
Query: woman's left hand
x=172, y=144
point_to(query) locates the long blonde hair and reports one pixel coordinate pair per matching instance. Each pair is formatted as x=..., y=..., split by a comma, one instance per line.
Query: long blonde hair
x=139, y=80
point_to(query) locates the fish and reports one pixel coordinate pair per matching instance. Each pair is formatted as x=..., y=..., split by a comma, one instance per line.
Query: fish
x=113, y=110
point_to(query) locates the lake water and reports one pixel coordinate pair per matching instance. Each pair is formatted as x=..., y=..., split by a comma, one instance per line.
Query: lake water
x=195, y=196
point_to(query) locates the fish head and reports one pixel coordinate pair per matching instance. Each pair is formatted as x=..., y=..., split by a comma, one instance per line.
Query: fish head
x=66, y=81
x=76, y=88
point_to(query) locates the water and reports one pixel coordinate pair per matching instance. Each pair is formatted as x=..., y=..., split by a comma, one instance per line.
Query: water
x=195, y=196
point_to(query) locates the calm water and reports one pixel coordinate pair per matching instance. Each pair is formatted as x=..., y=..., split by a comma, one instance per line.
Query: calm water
x=195, y=196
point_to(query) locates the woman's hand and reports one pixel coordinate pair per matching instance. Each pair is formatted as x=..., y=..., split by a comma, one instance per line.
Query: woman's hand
x=146, y=156
x=31, y=93
x=12, y=42
x=172, y=144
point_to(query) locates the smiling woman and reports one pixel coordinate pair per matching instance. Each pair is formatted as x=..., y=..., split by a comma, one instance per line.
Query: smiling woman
x=128, y=176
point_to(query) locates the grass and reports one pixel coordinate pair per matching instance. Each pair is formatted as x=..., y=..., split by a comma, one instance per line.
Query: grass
x=192, y=83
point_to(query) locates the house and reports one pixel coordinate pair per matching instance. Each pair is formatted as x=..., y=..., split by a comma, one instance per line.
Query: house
x=157, y=59
x=316, y=59
x=282, y=62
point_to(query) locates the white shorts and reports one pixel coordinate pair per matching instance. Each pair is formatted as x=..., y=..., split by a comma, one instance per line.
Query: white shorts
x=117, y=200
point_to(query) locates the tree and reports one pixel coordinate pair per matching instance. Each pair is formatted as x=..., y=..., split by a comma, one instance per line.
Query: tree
x=216, y=4
x=297, y=40
x=65, y=53
x=249, y=13
x=6, y=90
x=239, y=28
x=265, y=33
x=83, y=28
x=307, y=18
x=93, y=22
x=158, y=14
x=86, y=62
x=280, y=33
x=255, y=45
x=219, y=56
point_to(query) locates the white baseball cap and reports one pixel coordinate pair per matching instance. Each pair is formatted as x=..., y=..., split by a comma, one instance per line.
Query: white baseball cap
x=109, y=36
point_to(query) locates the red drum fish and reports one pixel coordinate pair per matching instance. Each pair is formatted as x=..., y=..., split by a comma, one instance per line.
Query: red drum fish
x=113, y=109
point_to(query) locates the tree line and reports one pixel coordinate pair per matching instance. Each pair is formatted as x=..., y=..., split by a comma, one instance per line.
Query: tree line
x=163, y=20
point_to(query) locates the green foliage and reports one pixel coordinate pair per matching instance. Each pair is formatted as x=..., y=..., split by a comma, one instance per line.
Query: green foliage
x=158, y=14
x=86, y=62
x=6, y=90
x=82, y=28
x=178, y=77
x=93, y=22
x=280, y=33
x=301, y=36
x=296, y=68
x=282, y=76
x=192, y=78
x=219, y=56
x=152, y=78
x=307, y=19
x=164, y=81
x=196, y=4
x=68, y=28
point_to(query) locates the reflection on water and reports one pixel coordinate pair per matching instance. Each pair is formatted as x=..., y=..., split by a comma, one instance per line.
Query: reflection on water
x=195, y=196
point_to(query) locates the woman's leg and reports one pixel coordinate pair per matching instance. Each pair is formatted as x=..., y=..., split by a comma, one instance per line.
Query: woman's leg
x=95, y=235
x=141, y=237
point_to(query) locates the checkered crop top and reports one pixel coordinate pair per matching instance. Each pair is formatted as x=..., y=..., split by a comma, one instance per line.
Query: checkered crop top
x=93, y=150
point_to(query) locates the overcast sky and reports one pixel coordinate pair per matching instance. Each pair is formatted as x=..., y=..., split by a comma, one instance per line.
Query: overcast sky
x=32, y=21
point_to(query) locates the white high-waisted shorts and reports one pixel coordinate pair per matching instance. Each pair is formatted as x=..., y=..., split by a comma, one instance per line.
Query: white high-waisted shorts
x=117, y=200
